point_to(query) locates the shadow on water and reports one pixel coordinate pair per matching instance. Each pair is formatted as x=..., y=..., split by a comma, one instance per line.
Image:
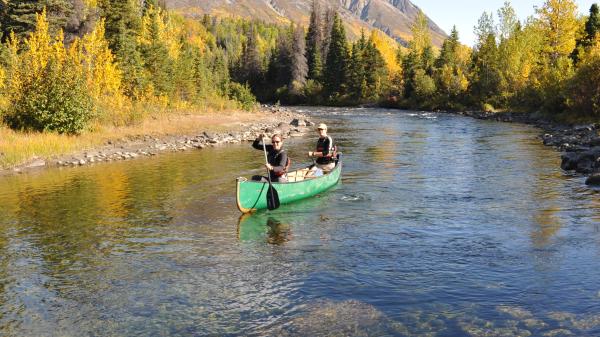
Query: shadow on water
x=255, y=228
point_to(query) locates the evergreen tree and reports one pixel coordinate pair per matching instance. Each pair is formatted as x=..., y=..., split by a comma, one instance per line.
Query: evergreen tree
x=356, y=77
x=279, y=73
x=155, y=54
x=592, y=27
x=334, y=75
x=376, y=70
x=219, y=70
x=123, y=22
x=147, y=4
x=250, y=66
x=314, y=41
x=20, y=16
x=448, y=53
x=451, y=71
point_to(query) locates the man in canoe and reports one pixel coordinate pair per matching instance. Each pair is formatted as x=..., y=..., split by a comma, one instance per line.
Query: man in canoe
x=325, y=150
x=277, y=158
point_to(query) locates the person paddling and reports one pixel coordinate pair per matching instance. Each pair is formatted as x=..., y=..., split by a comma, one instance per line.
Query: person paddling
x=277, y=158
x=325, y=150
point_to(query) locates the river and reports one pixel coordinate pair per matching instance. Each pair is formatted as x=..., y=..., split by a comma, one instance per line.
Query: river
x=442, y=226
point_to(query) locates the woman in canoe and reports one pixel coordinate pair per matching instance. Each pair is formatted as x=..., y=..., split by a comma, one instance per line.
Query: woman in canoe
x=325, y=153
x=277, y=159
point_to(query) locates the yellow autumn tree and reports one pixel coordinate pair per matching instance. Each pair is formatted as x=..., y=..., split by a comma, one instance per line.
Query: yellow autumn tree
x=46, y=89
x=158, y=24
x=103, y=77
x=558, y=21
x=388, y=49
x=2, y=86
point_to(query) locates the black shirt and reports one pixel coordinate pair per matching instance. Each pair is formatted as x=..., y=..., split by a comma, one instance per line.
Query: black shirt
x=278, y=159
x=325, y=145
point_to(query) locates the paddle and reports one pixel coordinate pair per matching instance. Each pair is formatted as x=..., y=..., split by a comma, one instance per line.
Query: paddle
x=272, y=196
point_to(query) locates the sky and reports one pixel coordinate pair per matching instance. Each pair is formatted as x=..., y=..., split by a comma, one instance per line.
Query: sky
x=465, y=13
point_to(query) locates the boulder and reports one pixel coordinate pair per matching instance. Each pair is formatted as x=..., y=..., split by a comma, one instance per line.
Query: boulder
x=585, y=164
x=593, y=180
x=569, y=161
x=296, y=122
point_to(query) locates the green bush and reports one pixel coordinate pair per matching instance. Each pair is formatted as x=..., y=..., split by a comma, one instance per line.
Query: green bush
x=424, y=86
x=56, y=100
x=243, y=95
x=584, y=89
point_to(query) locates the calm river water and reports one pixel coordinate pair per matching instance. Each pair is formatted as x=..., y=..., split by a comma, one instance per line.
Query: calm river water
x=442, y=226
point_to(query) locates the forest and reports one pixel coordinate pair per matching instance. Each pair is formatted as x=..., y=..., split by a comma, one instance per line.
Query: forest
x=67, y=66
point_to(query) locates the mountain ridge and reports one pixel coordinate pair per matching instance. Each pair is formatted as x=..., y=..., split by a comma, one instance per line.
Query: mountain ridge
x=393, y=17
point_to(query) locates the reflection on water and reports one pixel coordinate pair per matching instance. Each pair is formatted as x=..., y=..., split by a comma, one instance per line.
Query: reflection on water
x=441, y=226
x=252, y=227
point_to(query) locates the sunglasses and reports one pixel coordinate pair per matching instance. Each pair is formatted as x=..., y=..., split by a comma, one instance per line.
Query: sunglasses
x=320, y=129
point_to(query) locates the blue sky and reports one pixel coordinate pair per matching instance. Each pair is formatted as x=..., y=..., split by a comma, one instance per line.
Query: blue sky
x=465, y=13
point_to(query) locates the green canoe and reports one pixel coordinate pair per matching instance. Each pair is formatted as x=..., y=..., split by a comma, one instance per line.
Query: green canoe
x=252, y=195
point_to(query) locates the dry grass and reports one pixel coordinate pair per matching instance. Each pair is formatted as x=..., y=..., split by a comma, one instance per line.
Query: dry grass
x=17, y=147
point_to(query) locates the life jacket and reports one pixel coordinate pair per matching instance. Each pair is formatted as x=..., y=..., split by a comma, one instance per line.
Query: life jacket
x=332, y=153
x=286, y=169
x=287, y=165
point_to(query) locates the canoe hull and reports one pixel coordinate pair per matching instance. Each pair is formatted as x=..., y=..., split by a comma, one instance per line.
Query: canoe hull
x=252, y=195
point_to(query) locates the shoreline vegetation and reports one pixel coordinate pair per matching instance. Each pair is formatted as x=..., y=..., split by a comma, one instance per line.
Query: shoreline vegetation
x=163, y=134
x=76, y=74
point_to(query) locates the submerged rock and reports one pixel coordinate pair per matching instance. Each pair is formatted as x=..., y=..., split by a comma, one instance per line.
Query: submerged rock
x=348, y=318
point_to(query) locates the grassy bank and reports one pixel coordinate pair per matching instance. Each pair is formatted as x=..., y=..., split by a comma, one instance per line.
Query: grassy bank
x=18, y=148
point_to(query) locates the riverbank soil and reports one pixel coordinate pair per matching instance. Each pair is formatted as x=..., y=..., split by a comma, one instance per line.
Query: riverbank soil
x=20, y=152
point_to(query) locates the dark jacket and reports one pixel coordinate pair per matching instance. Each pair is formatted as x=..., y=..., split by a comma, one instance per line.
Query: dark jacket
x=278, y=159
x=325, y=145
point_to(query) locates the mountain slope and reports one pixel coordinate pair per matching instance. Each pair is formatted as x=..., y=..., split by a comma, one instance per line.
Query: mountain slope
x=394, y=17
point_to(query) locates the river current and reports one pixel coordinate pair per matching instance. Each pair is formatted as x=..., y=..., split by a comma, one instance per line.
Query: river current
x=441, y=226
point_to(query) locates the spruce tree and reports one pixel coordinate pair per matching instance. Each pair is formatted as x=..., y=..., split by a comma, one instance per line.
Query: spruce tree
x=356, y=80
x=376, y=71
x=314, y=41
x=157, y=61
x=334, y=75
x=19, y=16
x=451, y=70
x=123, y=24
x=250, y=65
x=279, y=73
x=592, y=27
x=123, y=21
x=449, y=50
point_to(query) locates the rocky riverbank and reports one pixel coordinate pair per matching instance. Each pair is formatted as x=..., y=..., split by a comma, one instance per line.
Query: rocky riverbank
x=579, y=144
x=273, y=120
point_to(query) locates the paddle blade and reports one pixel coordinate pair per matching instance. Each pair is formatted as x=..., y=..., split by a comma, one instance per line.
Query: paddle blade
x=272, y=198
